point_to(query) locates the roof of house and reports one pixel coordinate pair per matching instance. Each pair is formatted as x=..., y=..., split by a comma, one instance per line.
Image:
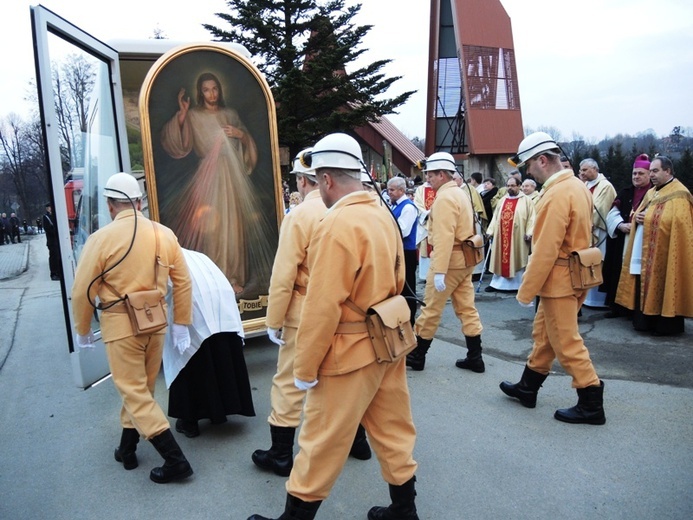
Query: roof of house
x=404, y=152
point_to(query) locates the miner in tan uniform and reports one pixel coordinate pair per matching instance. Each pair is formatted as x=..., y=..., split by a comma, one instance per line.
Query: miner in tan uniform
x=355, y=258
x=563, y=224
x=286, y=294
x=451, y=222
x=134, y=360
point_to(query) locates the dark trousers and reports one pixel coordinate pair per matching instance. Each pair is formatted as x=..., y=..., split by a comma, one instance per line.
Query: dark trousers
x=409, y=291
x=54, y=260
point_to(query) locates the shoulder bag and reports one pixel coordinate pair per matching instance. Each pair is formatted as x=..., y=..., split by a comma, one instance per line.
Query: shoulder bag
x=585, y=268
x=389, y=328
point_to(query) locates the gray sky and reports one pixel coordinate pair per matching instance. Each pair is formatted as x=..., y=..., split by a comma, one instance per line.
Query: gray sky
x=591, y=67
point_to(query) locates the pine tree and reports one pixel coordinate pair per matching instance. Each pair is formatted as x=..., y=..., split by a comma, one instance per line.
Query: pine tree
x=305, y=49
x=684, y=168
x=616, y=167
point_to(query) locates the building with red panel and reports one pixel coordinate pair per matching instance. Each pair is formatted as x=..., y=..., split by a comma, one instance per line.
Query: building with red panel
x=473, y=104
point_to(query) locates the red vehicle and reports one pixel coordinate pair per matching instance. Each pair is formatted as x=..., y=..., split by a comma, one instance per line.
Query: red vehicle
x=73, y=193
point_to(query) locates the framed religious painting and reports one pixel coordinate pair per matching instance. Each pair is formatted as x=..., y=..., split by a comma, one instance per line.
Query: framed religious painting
x=211, y=161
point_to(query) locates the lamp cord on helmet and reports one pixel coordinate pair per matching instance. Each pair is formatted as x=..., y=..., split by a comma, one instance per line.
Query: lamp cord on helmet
x=100, y=276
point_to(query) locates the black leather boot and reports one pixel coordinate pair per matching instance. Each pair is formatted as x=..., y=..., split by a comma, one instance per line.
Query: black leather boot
x=360, y=449
x=295, y=509
x=402, y=507
x=473, y=361
x=125, y=453
x=176, y=466
x=588, y=410
x=528, y=387
x=280, y=457
x=416, y=359
x=188, y=427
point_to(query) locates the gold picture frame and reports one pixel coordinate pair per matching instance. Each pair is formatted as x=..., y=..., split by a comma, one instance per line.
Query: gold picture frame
x=211, y=160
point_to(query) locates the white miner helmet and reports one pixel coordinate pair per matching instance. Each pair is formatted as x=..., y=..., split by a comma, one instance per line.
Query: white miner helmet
x=336, y=151
x=122, y=185
x=531, y=146
x=440, y=161
x=298, y=165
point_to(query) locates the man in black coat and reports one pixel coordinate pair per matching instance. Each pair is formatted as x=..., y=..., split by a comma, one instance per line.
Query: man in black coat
x=14, y=228
x=52, y=243
x=6, y=229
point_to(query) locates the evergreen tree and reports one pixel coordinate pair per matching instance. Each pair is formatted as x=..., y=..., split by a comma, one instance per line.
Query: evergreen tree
x=304, y=48
x=594, y=154
x=683, y=168
x=616, y=167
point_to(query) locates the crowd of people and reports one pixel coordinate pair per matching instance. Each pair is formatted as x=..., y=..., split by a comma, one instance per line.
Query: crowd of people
x=346, y=244
x=618, y=225
x=10, y=229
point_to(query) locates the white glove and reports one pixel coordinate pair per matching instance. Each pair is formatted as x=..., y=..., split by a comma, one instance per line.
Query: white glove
x=439, y=282
x=86, y=341
x=527, y=305
x=274, y=336
x=303, y=385
x=181, y=337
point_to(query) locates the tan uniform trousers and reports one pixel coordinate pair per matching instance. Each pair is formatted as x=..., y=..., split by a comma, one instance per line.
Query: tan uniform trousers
x=135, y=362
x=459, y=287
x=375, y=395
x=556, y=335
x=286, y=399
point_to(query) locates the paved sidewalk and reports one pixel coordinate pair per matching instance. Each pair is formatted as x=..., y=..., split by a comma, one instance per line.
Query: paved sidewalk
x=14, y=258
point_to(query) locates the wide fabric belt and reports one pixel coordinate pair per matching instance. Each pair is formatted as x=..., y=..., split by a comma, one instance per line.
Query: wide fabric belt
x=351, y=327
x=118, y=308
x=562, y=261
x=300, y=289
x=457, y=247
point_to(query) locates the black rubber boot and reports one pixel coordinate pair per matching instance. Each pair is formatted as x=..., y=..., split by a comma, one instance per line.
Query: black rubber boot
x=176, y=466
x=295, y=509
x=528, y=387
x=402, y=507
x=280, y=457
x=473, y=361
x=125, y=453
x=588, y=410
x=416, y=359
x=188, y=427
x=360, y=449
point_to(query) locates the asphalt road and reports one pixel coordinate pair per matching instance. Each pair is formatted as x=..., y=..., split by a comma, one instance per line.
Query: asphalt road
x=481, y=455
x=616, y=349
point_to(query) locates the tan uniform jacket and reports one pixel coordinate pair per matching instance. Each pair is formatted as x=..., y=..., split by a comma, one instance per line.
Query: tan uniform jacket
x=290, y=268
x=352, y=255
x=603, y=195
x=450, y=223
x=135, y=273
x=563, y=224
